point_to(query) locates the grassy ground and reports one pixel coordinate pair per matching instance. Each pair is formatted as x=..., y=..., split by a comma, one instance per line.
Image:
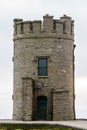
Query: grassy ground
x=17, y=127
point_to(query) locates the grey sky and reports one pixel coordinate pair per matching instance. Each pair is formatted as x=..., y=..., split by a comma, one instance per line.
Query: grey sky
x=35, y=9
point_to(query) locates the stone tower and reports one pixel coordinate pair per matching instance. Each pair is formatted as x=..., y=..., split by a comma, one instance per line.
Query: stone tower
x=44, y=69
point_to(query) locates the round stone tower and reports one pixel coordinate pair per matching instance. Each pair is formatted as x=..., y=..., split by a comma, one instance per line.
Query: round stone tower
x=44, y=69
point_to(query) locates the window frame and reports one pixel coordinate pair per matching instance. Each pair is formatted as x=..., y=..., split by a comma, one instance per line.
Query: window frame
x=46, y=67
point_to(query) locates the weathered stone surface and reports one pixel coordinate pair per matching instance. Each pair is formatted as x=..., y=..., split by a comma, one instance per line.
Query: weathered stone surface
x=55, y=41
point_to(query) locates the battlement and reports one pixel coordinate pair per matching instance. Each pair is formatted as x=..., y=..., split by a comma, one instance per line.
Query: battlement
x=43, y=69
x=65, y=25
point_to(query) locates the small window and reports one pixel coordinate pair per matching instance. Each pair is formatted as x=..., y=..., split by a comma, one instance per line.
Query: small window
x=21, y=27
x=42, y=67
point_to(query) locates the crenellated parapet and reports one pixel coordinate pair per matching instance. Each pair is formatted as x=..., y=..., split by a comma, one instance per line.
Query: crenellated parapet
x=49, y=26
x=43, y=85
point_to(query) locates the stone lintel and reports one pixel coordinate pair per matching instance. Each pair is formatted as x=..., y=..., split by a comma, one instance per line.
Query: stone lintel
x=60, y=90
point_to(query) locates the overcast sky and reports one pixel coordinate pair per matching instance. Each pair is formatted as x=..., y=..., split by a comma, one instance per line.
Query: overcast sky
x=34, y=10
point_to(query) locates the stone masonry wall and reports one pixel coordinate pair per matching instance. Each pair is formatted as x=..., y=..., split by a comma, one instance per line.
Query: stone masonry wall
x=54, y=40
x=27, y=98
x=61, y=105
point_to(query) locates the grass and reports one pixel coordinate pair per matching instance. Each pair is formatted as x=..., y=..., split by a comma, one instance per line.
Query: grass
x=23, y=127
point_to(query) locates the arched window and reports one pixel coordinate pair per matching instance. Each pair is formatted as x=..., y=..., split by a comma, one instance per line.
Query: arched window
x=42, y=108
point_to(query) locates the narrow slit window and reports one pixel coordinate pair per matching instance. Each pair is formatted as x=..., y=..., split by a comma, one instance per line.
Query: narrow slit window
x=21, y=27
x=42, y=67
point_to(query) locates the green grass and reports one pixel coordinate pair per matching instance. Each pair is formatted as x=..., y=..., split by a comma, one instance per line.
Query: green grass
x=23, y=127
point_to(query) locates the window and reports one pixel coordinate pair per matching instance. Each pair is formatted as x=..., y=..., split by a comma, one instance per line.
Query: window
x=21, y=27
x=42, y=67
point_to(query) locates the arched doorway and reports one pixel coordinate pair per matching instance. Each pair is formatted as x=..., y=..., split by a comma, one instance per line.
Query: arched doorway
x=42, y=108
